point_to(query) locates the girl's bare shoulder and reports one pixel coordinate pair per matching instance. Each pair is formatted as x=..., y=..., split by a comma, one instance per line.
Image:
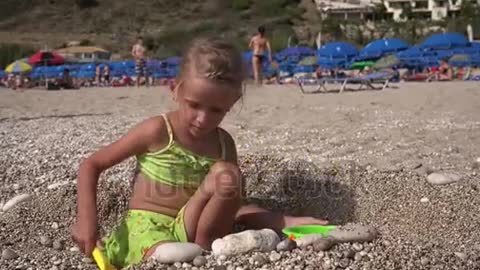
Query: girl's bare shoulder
x=155, y=132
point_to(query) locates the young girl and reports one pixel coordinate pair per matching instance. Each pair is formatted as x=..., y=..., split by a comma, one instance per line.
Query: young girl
x=189, y=187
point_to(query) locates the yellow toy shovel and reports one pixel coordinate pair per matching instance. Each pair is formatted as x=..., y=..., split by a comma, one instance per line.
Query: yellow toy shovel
x=102, y=263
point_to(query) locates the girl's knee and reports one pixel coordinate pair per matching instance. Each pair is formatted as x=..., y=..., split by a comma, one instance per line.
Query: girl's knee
x=226, y=179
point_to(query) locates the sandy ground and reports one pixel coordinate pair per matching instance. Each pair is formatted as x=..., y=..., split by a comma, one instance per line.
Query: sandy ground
x=388, y=128
x=392, y=139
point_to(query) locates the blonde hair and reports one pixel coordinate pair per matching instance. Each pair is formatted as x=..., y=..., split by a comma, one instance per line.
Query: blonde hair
x=214, y=59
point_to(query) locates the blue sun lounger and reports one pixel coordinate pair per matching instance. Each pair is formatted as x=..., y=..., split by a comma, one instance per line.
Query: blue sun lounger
x=367, y=81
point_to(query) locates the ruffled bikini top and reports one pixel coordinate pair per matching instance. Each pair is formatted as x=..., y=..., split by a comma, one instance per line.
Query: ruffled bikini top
x=175, y=165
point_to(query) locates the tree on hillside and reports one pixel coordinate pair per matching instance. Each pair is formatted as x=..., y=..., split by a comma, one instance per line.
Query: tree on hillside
x=86, y=3
x=380, y=11
x=469, y=10
x=407, y=12
x=12, y=52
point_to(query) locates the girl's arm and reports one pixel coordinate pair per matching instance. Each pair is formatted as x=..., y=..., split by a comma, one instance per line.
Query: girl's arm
x=255, y=217
x=147, y=135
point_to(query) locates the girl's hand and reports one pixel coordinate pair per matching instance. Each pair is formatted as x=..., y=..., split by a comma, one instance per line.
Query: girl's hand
x=296, y=221
x=84, y=233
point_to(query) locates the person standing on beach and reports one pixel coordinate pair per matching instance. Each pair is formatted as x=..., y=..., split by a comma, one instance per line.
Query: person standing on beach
x=138, y=53
x=259, y=43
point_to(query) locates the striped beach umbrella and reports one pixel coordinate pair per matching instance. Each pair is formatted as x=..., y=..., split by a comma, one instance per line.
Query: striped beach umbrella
x=18, y=67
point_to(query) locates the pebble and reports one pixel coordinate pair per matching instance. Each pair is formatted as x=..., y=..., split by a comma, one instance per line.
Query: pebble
x=45, y=241
x=55, y=225
x=424, y=200
x=259, y=259
x=350, y=254
x=74, y=249
x=14, y=201
x=54, y=268
x=344, y=263
x=57, y=244
x=443, y=179
x=326, y=264
x=461, y=255
x=199, y=261
x=274, y=256
x=323, y=244
x=9, y=254
x=357, y=247
x=220, y=267
x=87, y=260
x=286, y=245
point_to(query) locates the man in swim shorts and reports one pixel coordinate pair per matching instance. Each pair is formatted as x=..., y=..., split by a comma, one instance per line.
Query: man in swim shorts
x=138, y=53
x=259, y=43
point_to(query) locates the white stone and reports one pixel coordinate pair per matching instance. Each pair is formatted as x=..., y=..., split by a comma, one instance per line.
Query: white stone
x=443, y=179
x=264, y=240
x=424, y=200
x=176, y=252
x=14, y=201
x=56, y=185
x=308, y=240
x=353, y=233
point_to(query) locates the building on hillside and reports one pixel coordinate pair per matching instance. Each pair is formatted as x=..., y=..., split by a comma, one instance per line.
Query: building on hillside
x=347, y=9
x=364, y=9
x=426, y=9
x=84, y=54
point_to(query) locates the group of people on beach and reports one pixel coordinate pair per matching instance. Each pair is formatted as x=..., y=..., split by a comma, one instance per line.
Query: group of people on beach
x=259, y=44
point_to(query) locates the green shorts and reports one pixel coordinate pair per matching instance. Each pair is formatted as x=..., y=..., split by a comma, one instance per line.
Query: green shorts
x=138, y=232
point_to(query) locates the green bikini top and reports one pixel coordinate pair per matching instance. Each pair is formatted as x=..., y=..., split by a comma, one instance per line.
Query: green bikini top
x=175, y=165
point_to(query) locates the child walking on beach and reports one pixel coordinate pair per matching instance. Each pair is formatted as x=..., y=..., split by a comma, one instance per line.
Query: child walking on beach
x=188, y=187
